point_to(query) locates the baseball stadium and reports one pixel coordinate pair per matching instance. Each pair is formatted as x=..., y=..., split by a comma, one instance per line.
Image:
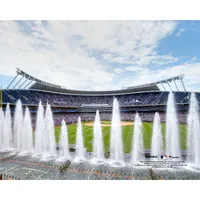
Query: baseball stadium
x=82, y=112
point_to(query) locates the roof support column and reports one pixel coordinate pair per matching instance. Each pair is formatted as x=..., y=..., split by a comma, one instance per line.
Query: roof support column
x=12, y=81
x=18, y=82
x=183, y=85
x=23, y=83
x=169, y=86
x=28, y=84
x=176, y=85
x=163, y=86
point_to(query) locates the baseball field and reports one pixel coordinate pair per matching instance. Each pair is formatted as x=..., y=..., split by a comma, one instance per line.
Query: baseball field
x=127, y=134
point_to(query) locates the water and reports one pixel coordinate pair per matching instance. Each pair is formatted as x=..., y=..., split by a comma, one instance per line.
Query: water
x=98, y=152
x=27, y=135
x=1, y=125
x=63, y=143
x=157, y=141
x=172, y=132
x=39, y=131
x=137, y=146
x=18, y=125
x=80, y=151
x=45, y=144
x=7, y=137
x=49, y=143
x=116, y=146
x=193, y=132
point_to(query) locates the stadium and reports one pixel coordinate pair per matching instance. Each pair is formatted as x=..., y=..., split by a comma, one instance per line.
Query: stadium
x=69, y=105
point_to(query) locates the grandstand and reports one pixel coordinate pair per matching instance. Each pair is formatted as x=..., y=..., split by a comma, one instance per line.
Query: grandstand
x=69, y=104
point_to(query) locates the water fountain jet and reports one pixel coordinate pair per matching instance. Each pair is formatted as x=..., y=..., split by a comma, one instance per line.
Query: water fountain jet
x=27, y=135
x=137, y=146
x=193, y=132
x=39, y=132
x=157, y=141
x=80, y=151
x=7, y=136
x=116, y=145
x=63, y=144
x=1, y=126
x=172, y=132
x=98, y=152
x=18, y=126
x=49, y=143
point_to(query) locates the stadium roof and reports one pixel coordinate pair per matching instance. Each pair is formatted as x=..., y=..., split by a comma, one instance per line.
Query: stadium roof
x=29, y=82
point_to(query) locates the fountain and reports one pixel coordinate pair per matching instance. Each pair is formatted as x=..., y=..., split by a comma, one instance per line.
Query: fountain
x=63, y=143
x=39, y=131
x=7, y=137
x=157, y=141
x=116, y=146
x=1, y=125
x=80, y=151
x=98, y=152
x=137, y=146
x=172, y=133
x=27, y=135
x=193, y=132
x=21, y=139
x=18, y=125
x=48, y=139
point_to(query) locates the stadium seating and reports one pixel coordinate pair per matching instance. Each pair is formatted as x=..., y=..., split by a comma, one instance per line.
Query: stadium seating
x=86, y=117
x=144, y=98
x=70, y=106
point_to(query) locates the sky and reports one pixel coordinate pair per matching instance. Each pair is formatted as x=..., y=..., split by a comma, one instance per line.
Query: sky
x=101, y=55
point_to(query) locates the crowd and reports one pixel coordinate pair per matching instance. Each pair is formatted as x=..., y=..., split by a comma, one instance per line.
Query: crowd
x=145, y=98
x=146, y=103
x=70, y=107
x=87, y=117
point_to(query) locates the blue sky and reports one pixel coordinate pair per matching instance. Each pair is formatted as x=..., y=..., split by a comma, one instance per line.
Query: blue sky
x=101, y=55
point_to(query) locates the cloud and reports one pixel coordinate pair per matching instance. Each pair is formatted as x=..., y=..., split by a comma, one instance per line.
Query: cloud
x=190, y=70
x=118, y=70
x=134, y=39
x=134, y=68
x=47, y=55
x=180, y=32
x=87, y=55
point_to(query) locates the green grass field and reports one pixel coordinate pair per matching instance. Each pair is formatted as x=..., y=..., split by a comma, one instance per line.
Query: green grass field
x=127, y=135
